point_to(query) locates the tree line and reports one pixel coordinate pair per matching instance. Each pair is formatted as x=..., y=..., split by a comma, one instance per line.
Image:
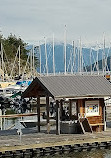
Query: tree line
x=9, y=46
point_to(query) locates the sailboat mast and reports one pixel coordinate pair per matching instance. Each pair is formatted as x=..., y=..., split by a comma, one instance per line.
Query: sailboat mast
x=71, y=52
x=74, y=54
x=97, y=61
x=0, y=59
x=72, y=57
x=103, y=56
x=80, y=55
x=33, y=62
x=46, y=57
x=19, y=61
x=40, y=57
x=110, y=57
x=2, y=62
x=53, y=57
x=90, y=60
x=65, y=51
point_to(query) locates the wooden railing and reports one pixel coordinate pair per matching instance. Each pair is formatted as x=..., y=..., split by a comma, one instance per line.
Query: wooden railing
x=18, y=115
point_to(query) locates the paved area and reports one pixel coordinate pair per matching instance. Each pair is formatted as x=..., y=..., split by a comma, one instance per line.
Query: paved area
x=42, y=139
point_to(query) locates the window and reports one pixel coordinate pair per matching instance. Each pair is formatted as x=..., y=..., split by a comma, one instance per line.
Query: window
x=92, y=108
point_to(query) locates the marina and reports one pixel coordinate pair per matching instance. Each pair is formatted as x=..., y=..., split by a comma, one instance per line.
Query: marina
x=78, y=111
x=69, y=108
x=67, y=119
x=55, y=79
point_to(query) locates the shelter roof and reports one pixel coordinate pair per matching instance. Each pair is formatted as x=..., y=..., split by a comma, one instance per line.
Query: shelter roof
x=69, y=86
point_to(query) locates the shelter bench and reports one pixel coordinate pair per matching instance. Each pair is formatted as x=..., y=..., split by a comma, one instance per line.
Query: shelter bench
x=98, y=125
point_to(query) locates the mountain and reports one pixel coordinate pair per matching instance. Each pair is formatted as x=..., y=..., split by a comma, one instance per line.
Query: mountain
x=100, y=63
x=89, y=57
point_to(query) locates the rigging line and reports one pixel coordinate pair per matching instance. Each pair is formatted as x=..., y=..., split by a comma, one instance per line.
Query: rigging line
x=6, y=58
x=106, y=61
x=71, y=60
x=94, y=61
x=69, y=63
x=74, y=61
x=46, y=56
x=25, y=67
x=53, y=52
x=40, y=56
x=50, y=51
x=29, y=65
x=91, y=60
x=14, y=63
x=84, y=65
x=44, y=67
x=6, y=71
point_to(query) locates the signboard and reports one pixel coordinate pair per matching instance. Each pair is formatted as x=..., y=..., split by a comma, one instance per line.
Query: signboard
x=92, y=108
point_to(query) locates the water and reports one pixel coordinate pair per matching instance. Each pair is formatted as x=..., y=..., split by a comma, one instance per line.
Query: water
x=105, y=153
x=14, y=123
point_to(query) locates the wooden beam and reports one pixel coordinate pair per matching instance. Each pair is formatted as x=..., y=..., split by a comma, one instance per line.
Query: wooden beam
x=47, y=108
x=57, y=118
x=38, y=111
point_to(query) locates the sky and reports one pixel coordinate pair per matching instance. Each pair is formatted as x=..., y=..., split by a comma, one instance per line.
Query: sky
x=32, y=20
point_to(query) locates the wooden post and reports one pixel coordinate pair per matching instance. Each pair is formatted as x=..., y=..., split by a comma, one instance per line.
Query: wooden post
x=57, y=118
x=38, y=112
x=47, y=108
x=1, y=125
x=103, y=105
x=70, y=109
x=61, y=109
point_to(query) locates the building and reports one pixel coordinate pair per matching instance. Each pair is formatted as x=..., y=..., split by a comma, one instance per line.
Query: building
x=82, y=95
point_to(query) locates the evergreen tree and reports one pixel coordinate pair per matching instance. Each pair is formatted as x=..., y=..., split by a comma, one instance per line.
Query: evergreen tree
x=10, y=45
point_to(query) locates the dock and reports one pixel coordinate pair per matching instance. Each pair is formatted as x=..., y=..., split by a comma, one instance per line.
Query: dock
x=41, y=144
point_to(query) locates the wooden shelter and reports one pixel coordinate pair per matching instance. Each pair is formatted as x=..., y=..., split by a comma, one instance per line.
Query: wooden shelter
x=83, y=95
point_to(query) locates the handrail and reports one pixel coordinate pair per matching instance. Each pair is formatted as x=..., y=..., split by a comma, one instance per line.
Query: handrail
x=18, y=115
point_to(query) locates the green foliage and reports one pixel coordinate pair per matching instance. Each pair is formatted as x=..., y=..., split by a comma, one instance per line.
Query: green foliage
x=10, y=45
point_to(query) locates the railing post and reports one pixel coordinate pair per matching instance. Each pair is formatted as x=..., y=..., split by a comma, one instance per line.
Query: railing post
x=57, y=118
